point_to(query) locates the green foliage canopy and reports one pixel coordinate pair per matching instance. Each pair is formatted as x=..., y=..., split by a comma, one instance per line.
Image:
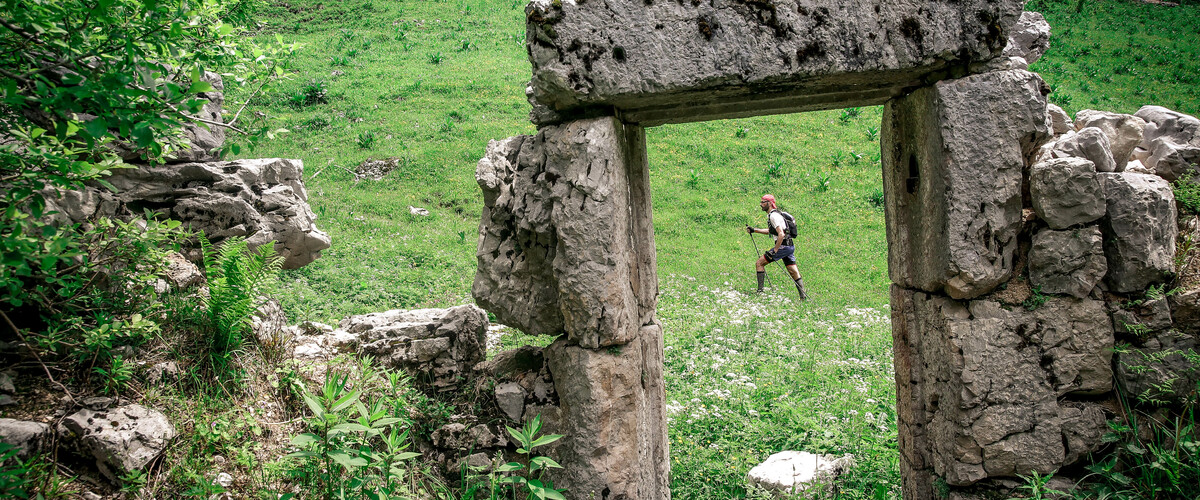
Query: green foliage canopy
x=81, y=77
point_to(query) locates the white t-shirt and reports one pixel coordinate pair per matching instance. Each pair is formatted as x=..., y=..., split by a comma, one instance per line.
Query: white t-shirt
x=779, y=223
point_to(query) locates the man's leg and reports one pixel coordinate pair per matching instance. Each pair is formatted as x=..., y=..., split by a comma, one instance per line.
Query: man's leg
x=795, y=272
x=760, y=271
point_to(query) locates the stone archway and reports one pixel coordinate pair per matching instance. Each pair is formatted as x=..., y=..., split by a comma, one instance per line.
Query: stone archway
x=566, y=242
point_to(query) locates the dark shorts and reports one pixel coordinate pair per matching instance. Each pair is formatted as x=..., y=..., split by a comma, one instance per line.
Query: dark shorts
x=784, y=254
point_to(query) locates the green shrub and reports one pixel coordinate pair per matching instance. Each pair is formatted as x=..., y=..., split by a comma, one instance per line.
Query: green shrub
x=1187, y=195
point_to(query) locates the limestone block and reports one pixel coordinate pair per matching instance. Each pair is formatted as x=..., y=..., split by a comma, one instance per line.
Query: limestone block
x=1089, y=143
x=28, y=437
x=1171, y=142
x=1163, y=123
x=1173, y=161
x=990, y=379
x=1144, y=318
x=1140, y=230
x=1124, y=131
x=790, y=472
x=1083, y=427
x=1060, y=121
x=1066, y=192
x=953, y=214
x=437, y=346
x=669, y=61
x=1160, y=371
x=1185, y=309
x=565, y=241
x=1029, y=38
x=262, y=200
x=511, y=400
x=120, y=440
x=1068, y=262
x=614, y=425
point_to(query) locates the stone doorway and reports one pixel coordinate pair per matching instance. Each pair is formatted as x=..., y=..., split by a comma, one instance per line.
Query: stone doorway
x=985, y=391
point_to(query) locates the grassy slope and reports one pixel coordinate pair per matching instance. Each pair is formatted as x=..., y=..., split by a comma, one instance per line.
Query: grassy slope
x=747, y=375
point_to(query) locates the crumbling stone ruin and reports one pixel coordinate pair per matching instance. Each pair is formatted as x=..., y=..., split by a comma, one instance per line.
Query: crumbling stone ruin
x=994, y=199
x=261, y=200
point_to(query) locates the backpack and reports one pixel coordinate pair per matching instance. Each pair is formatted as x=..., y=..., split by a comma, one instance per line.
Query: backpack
x=789, y=221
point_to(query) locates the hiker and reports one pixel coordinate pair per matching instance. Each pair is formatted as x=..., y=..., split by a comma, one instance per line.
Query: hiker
x=782, y=226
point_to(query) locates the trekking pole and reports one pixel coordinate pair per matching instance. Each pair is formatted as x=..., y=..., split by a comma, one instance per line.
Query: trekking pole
x=757, y=253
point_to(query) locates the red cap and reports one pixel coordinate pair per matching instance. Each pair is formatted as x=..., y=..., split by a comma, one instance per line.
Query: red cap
x=769, y=197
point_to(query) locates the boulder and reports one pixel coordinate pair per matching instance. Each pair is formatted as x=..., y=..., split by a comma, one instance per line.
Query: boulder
x=202, y=142
x=953, y=215
x=261, y=200
x=669, y=62
x=120, y=440
x=28, y=437
x=1090, y=144
x=1170, y=143
x=181, y=273
x=790, y=472
x=1124, y=131
x=1067, y=262
x=558, y=248
x=1066, y=192
x=1029, y=38
x=1139, y=232
x=1160, y=371
x=1185, y=309
x=1060, y=121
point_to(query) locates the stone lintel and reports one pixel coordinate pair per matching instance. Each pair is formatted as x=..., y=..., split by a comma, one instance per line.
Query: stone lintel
x=645, y=57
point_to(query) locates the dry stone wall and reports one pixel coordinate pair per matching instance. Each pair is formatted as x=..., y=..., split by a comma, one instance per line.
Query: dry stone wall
x=1022, y=247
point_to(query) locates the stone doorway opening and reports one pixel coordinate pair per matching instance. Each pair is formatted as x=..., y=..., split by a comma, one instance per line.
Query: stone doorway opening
x=749, y=375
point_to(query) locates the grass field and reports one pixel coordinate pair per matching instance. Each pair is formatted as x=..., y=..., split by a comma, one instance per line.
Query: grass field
x=430, y=82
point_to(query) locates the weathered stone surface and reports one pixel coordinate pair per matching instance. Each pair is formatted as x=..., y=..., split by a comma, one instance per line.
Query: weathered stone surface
x=122, y=439
x=522, y=359
x=1029, y=38
x=1140, y=230
x=1089, y=143
x=28, y=437
x=1066, y=192
x=988, y=381
x=1060, y=121
x=203, y=141
x=1170, y=142
x=437, y=346
x=953, y=214
x=663, y=62
x=1143, y=318
x=1185, y=309
x=261, y=200
x=1160, y=371
x=565, y=242
x=611, y=403
x=1083, y=427
x=511, y=400
x=789, y=472
x=1068, y=262
x=181, y=273
x=1124, y=131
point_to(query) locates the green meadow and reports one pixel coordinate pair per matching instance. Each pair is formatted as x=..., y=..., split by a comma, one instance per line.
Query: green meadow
x=428, y=83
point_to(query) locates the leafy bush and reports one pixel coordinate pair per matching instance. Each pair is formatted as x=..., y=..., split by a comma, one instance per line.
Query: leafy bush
x=1187, y=195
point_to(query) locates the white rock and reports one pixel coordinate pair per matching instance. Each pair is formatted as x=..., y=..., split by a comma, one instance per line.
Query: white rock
x=789, y=472
x=417, y=211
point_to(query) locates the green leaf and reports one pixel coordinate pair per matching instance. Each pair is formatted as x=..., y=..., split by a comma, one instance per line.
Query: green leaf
x=509, y=467
x=199, y=86
x=314, y=405
x=345, y=401
x=545, y=462
x=350, y=427
x=544, y=440
x=407, y=455
x=345, y=460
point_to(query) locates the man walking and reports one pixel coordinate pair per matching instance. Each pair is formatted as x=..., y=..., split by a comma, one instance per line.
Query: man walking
x=782, y=226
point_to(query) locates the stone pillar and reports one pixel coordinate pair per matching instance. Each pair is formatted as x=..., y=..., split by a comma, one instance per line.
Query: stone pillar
x=566, y=247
